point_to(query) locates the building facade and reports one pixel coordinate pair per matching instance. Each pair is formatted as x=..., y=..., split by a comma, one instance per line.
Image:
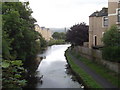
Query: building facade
x=114, y=12
x=100, y=21
x=45, y=32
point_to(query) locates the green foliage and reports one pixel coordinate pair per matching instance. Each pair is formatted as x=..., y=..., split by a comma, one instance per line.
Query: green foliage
x=55, y=42
x=6, y=46
x=59, y=38
x=78, y=34
x=5, y=64
x=19, y=42
x=18, y=25
x=58, y=35
x=112, y=37
x=12, y=74
x=18, y=63
x=111, y=41
x=43, y=42
x=99, y=69
x=111, y=53
x=87, y=79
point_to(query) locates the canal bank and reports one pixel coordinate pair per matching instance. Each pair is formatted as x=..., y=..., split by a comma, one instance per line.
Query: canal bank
x=52, y=72
x=90, y=78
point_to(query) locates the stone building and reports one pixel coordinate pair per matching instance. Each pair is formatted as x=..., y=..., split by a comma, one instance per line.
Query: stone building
x=100, y=21
x=45, y=32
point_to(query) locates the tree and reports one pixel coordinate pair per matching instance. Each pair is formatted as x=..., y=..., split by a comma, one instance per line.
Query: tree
x=6, y=46
x=58, y=35
x=111, y=40
x=19, y=42
x=78, y=34
x=112, y=37
x=19, y=26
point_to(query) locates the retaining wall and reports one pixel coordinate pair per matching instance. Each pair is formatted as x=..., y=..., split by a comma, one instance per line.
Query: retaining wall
x=96, y=56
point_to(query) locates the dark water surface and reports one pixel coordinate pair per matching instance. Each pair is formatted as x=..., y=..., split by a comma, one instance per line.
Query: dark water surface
x=52, y=72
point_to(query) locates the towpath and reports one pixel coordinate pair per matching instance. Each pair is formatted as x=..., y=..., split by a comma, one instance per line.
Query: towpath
x=99, y=79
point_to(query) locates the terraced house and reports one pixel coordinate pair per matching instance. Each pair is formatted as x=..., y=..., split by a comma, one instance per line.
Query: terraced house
x=100, y=21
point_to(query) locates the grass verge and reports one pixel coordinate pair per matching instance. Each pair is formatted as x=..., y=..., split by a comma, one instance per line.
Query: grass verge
x=87, y=79
x=56, y=42
x=111, y=76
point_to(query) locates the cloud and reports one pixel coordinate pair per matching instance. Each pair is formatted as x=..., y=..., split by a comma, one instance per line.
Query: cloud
x=64, y=13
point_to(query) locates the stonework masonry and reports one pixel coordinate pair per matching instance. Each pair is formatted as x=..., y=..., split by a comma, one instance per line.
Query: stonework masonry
x=45, y=32
x=100, y=21
x=96, y=56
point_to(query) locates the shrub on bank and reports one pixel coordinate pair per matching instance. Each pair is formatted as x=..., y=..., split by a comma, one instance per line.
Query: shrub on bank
x=111, y=40
x=111, y=53
x=12, y=74
x=87, y=80
x=54, y=42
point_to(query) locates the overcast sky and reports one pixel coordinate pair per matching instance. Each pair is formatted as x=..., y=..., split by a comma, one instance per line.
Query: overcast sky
x=64, y=13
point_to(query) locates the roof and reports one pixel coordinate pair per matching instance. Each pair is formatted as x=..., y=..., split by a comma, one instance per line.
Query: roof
x=103, y=12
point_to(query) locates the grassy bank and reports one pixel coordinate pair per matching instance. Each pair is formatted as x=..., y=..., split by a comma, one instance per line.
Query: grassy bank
x=56, y=42
x=87, y=79
x=99, y=69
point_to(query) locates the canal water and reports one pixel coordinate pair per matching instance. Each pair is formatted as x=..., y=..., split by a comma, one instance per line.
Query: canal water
x=52, y=71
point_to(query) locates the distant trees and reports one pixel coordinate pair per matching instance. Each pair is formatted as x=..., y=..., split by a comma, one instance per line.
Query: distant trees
x=111, y=40
x=58, y=38
x=78, y=34
x=59, y=35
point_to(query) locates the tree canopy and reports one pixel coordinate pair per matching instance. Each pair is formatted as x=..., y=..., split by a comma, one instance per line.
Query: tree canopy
x=20, y=43
x=19, y=35
x=58, y=35
x=78, y=34
x=112, y=37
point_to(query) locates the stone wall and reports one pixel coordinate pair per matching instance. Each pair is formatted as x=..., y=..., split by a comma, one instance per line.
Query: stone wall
x=96, y=55
x=45, y=32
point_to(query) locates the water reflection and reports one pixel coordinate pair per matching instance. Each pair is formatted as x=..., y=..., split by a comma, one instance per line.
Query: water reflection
x=52, y=72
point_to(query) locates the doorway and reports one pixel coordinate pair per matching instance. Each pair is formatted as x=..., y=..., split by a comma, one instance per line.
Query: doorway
x=95, y=40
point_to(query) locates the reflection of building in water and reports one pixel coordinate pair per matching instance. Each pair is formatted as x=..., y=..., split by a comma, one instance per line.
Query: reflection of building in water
x=45, y=32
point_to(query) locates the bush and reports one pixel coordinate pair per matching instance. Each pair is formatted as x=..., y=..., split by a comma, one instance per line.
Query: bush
x=112, y=37
x=56, y=42
x=59, y=35
x=12, y=74
x=111, y=53
x=111, y=49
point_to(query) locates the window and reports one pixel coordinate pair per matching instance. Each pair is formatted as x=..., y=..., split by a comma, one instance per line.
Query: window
x=118, y=15
x=105, y=21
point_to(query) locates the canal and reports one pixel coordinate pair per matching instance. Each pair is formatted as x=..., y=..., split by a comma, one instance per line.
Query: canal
x=52, y=71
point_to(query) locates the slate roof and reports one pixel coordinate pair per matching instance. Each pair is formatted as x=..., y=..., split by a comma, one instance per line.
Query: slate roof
x=103, y=12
